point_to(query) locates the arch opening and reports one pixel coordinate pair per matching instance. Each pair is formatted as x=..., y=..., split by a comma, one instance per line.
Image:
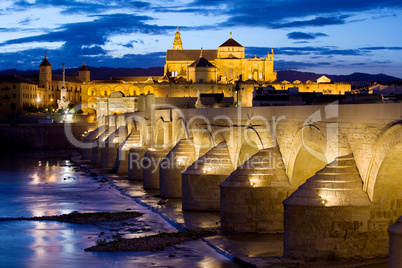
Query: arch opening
x=387, y=195
x=247, y=150
x=306, y=164
x=159, y=135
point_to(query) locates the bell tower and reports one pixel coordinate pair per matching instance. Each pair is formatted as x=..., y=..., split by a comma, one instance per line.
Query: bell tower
x=84, y=73
x=177, y=40
x=45, y=74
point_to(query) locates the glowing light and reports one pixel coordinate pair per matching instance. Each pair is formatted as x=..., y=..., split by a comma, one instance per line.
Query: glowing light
x=115, y=140
x=253, y=180
x=180, y=161
x=136, y=145
x=151, y=149
x=206, y=169
x=104, y=139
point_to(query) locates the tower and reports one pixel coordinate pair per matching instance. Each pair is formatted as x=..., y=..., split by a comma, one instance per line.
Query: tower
x=84, y=73
x=45, y=74
x=177, y=40
x=231, y=49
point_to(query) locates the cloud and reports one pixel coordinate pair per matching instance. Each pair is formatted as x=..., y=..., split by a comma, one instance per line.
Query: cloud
x=31, y=59
x=27, y=21
x=308, y=50
x=292, y=13
x=304, y=36
x=319, y=21
x=75, y=7
x=381, y=48
x=79, y=37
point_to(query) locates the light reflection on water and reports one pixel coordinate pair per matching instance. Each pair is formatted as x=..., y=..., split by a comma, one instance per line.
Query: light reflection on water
x=36, y=184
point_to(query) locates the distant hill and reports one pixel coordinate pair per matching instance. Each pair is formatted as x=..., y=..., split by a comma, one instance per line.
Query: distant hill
x=104, y=73
x=97, y=73
x=351, y=78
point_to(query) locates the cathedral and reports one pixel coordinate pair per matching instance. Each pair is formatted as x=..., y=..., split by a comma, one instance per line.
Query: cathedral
x=227, y=64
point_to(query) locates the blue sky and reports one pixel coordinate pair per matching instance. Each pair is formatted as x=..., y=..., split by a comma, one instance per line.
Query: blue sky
x=334, y=37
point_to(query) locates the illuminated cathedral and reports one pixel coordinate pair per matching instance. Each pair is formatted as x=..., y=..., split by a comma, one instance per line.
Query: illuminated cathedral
x=227, y=64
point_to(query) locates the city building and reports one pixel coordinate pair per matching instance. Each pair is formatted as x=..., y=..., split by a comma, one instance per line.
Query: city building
x=16, y=94
x=187, y=73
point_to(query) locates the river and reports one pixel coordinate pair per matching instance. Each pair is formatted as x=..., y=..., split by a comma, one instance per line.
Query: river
x=46, y=183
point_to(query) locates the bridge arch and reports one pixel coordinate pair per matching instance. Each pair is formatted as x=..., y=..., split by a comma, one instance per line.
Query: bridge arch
x=308, y=155
x=383, y=175
x=203, y=141
x=159, y=134
x=180, y=130
x=250, y=144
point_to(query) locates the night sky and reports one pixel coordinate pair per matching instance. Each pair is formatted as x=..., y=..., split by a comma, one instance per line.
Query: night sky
x=335, y=37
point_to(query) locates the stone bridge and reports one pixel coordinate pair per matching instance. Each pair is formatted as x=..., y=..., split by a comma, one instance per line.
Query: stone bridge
x=327, y=176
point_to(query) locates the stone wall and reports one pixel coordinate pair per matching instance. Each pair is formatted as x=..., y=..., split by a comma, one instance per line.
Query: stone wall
x=40, y=137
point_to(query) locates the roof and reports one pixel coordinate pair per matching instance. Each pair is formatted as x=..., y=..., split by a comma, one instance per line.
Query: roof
x=190, y=54
x=14, y=79
x=72, y=79
x=202, y=62
x=45, y=62
x=84, y=68
x=138, y=79
x=231, y=43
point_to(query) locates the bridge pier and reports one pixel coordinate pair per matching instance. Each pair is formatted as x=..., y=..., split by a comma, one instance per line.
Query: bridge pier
x=171, y=167
x=395, y=244
x=97, y=150
x=200, y=182
x=121, y=165
x=328, y=216
x=86, y=153
x=251, y=197
x=109, y=152
x=150, y=163
x=135, y=163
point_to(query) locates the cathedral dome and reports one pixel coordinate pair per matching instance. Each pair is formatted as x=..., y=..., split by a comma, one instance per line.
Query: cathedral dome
x=231, y=43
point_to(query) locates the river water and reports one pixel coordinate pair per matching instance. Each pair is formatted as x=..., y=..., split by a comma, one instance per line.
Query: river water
x=45, y=183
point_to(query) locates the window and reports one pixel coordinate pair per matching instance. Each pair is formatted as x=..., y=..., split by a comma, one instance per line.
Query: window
x=14, y=95
x=230, y=72
x=13, y=106
x=14, y=87
x=260, y=75
x=201, y=81
x=174, y=73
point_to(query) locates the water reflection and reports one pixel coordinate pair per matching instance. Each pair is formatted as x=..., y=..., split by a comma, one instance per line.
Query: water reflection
x=36, y=184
